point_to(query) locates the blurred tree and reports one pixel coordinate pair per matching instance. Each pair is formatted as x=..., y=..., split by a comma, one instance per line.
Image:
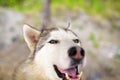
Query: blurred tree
x=46, y=13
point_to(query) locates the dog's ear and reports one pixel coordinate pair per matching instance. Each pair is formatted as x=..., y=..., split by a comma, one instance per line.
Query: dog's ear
x=31, y=36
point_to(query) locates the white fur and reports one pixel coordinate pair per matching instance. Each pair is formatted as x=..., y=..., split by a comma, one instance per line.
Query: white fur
x=56, y=53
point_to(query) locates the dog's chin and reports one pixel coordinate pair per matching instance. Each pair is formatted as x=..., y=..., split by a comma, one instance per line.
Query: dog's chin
x=68, y=74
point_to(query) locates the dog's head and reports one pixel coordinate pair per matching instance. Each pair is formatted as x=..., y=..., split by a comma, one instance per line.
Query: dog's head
x=58, y=50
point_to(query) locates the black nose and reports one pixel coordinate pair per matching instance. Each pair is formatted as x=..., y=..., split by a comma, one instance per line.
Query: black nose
x=82, y=51
x=72, y=51
x=76, y=52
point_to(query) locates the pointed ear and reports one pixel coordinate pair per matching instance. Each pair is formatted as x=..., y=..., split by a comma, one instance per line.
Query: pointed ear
x=31, y=36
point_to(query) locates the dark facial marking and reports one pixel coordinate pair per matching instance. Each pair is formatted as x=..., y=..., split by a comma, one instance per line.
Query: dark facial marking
x=41, y=42
x=44, y=35
x=66, y=29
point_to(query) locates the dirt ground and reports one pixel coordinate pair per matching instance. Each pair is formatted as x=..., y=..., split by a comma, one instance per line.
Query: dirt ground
x=10, y=58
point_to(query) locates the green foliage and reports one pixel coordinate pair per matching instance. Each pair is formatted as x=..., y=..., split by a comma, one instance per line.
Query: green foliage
x=22, y=5
x=104, y=7
x=10, y=3
x=95, y=41
x=117, y=56
x=115, y=24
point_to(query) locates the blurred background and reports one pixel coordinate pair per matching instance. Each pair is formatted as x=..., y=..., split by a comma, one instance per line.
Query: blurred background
x=97, y=22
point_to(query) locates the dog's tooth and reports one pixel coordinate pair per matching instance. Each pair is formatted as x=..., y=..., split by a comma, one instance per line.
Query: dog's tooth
x=79, y=76
x=67, y=77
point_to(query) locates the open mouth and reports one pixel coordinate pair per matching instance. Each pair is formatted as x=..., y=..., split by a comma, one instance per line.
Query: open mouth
x=68, y=74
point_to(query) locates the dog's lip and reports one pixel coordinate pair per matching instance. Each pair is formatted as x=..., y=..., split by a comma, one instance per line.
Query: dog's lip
x=71, y=73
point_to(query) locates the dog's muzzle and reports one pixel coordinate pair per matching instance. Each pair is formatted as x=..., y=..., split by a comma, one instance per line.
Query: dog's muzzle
x=76, y=55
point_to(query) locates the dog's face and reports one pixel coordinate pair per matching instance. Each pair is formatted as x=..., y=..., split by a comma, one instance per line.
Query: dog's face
x=58, y=50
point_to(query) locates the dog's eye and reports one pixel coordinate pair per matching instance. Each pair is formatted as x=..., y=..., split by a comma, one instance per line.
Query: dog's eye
x=53, y=41
x=76, y=40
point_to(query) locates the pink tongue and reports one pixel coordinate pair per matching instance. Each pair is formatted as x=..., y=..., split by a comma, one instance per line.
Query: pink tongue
x=70, y=72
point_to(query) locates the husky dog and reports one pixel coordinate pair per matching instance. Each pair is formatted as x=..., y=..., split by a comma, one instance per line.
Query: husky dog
x=56, y=54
